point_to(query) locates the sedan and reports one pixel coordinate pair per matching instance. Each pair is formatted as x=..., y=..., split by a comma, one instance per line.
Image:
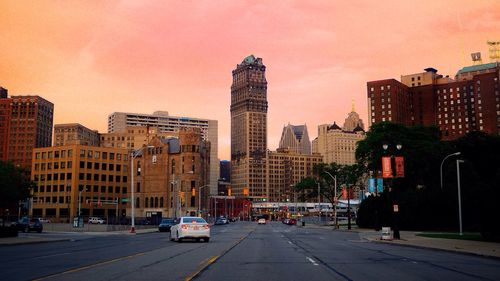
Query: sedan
x=26, y=224
x=166, y=224
x=190, y=227
x=261, y=221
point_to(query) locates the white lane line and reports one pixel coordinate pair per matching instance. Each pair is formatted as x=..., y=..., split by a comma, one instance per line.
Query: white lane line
x=290, y=242
x=311, y=260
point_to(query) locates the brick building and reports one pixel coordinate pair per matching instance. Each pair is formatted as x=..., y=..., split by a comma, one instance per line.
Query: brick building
x=469, y=102
x=26, y=124
x=65, y=134
x=169, y=174
x=61, y=172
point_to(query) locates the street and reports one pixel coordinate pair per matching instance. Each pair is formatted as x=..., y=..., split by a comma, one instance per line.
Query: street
x=238, y=251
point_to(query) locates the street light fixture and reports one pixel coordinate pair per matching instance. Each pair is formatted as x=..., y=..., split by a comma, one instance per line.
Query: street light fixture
x=133, y=155
x=441, y=168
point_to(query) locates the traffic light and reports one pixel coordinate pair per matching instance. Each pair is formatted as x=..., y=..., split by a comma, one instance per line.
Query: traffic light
x=229, y=192
x=193, y=192
x=246, y=191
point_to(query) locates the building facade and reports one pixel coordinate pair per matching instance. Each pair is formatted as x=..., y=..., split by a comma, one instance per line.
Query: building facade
x=74, y=133
x=134, y=137
x=295, y=138
x=98, y=176
x=285, y=169
x=469, y=102
x=30, y=120
x=338, y=145
x=119, y=121
x=249, y=129
x=170, y=175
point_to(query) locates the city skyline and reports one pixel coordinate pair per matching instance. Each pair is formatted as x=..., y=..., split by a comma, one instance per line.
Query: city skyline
x=176, y=56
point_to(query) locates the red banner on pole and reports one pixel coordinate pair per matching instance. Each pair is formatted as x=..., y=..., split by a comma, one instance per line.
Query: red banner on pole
x=400, y=166
x=386, y=167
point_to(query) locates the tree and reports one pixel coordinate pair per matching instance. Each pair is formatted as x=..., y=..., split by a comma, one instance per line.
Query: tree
x=14, y=185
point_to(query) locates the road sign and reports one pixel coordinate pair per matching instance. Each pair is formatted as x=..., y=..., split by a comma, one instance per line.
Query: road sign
x=124, y=200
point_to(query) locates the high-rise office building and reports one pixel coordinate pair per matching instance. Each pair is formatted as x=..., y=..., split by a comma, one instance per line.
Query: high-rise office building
x=296, y=139
x=119, y=121
x=469, y=102
x=338, y=145
x=28, y=121
x=65, y=134
x=249, y=129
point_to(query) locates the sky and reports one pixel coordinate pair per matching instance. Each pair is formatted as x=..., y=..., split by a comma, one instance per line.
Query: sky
x=93, y=58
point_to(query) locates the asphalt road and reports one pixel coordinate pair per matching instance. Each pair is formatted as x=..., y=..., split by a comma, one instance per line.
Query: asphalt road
x=238, y=251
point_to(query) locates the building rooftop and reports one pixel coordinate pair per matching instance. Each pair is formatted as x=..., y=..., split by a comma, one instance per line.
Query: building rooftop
x=479, y=67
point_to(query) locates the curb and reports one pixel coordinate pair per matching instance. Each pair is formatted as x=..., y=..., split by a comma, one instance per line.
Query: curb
x=433, y=249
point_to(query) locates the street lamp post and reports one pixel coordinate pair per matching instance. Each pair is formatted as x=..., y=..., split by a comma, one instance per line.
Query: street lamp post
x=319, y=204
x=459, y=196
x=199, y=198
x=394, y=207
x=335, y=200
x=441, y=167
x=132, y=157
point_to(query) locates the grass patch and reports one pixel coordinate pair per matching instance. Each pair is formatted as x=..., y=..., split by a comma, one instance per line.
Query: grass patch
x=465, y=236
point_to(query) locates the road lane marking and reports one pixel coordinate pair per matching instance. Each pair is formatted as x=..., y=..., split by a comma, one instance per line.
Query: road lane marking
x=311, y=260
x=89, y=266
x=290, y=242
x=213, y=259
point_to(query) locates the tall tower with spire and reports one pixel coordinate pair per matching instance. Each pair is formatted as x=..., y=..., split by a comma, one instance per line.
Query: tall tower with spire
x=249, y=129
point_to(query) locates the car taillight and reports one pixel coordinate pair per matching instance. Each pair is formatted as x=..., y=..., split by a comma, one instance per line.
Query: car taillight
x=206, y=226
x=184, y=226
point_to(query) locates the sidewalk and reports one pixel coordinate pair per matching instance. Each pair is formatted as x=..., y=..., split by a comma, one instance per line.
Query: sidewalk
x=410, y=239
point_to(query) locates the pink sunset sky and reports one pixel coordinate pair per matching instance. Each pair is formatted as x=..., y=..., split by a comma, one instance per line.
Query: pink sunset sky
x=92, y=58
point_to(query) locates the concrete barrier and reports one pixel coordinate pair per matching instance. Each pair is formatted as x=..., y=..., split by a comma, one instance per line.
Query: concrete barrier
x=68, y=227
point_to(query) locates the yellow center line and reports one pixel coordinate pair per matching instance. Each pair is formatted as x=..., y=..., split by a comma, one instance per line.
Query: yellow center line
x=89, y=266
x=202, y=267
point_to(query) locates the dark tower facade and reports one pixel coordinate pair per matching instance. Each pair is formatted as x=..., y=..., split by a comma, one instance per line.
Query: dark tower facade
x=249, y=129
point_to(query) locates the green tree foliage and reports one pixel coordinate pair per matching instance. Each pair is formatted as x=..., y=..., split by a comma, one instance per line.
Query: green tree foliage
x=423, y=204
x=348, y=175
x=14, y=185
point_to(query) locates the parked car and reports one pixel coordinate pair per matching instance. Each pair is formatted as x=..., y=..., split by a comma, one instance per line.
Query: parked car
x=96, y=220
x=166, y=224
x=291, y=222
x=190, y=227
x=261, y=221
x=219, y=221
x=26, y=224
x=285, y=221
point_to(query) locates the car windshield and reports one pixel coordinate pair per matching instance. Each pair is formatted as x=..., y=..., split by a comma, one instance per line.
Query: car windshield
x=193, y=220
x=167, y=221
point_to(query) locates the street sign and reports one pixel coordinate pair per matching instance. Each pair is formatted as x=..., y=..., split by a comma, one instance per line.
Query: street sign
x=396, y=208
x=124, y=200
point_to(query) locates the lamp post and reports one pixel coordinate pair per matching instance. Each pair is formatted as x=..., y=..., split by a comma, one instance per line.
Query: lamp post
x=132, y=157
x=199, y=198
x=335, y=201
x=319, y=204
x=395, y=207
x=441, y=167
x=459, y=196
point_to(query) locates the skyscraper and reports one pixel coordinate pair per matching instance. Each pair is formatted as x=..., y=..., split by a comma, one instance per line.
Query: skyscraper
x=296, y=139
x=249, y=129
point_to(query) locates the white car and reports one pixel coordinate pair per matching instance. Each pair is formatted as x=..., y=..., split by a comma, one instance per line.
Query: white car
x=261, y=221
x=96, y=220
x=190, y=227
